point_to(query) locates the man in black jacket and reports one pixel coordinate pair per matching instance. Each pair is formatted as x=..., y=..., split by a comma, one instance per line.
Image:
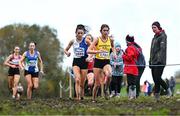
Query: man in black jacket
x=158, y=57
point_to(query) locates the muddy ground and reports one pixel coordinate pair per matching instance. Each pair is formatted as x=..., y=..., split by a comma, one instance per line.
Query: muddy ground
x=116, y=106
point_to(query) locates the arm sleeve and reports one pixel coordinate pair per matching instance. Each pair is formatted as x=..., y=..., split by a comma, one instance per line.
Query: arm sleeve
x=129, y=55
x=162, y=52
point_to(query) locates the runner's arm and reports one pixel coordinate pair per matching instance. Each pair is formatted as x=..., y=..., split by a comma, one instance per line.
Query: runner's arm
x=68, y=47
x=91, y=48
x=41, y=62
x=21, y=65
x=6, y=62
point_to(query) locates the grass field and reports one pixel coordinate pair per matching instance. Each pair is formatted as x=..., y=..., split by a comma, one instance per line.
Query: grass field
x=177, y=87
x=114, y=106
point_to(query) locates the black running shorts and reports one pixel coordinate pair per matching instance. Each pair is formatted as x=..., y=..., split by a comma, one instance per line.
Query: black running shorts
x=101, y=63
x=13, y=71
x=33, y=74
x=80, y=62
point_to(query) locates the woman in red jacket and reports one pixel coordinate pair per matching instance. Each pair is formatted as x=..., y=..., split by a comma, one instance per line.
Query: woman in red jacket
x=130, y=56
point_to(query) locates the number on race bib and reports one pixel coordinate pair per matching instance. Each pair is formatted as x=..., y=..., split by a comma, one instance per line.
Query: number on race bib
x=79, y=52
x=32, y=63
x=15, y=61
x=104, y=54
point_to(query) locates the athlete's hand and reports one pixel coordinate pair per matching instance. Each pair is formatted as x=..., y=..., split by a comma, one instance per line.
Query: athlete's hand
x=42, y=72
x=13, y=66
x=21, y=68
x=89, y=59
x=68, y=54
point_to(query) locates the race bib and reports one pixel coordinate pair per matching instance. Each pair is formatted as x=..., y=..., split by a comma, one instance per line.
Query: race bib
x=104, y=54
x=15, y=61
x=79, y=52
x=32, y=63
x=32, y=66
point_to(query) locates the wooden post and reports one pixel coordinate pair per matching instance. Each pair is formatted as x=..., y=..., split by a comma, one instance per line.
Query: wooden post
x=70, y=87
x=60, y=89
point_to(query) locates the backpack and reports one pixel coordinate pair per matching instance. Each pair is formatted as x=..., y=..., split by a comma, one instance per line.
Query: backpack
x=140, y=59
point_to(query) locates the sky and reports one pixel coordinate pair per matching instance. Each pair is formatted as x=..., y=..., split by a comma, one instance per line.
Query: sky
x=123, y=16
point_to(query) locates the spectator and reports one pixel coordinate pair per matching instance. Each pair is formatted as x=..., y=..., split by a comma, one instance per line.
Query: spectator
x=130, y=57
x=117, y=71
x=145, y=88
x=158, y=57
x=172, y=83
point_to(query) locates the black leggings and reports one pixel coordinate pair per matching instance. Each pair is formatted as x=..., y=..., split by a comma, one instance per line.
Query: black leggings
x=116, y=84
x=156, y=74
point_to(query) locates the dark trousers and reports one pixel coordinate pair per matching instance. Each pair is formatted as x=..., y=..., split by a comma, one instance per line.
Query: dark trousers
x=116, y=84
x=156, y=74
x=172, y=89
x=131, y=80
x=140, y=70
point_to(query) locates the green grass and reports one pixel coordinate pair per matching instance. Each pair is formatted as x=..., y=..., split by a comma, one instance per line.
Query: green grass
x=177, y=86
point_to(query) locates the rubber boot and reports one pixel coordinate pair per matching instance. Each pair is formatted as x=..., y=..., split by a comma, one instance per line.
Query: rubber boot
x=169, y=93
x=133, y=87
x=157, y=96
x=130, y=93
